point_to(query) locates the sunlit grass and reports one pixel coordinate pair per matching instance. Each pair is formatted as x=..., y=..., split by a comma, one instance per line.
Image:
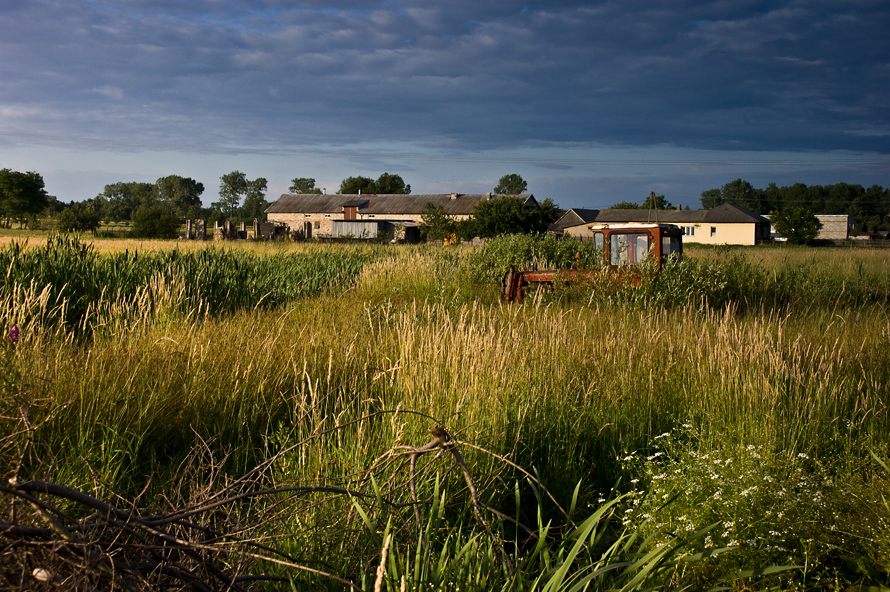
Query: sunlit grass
x=569, y=388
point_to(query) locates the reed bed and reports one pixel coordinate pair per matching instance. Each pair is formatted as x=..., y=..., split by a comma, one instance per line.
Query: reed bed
x=167, y=402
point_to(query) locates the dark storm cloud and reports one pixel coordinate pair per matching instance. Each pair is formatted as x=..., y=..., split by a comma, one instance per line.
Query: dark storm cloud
x=458, y=75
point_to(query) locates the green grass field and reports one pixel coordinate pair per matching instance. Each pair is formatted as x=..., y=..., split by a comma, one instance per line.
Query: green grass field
x=728, y=416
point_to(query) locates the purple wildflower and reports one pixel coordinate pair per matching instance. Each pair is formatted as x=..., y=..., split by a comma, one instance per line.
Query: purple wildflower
x=14, y=334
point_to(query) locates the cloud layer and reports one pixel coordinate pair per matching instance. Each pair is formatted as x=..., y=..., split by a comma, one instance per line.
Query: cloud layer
x=446, y=78
x=724, y=75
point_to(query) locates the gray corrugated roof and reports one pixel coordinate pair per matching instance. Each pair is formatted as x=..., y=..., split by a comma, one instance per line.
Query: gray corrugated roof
x=391, y=204
x=726, y=214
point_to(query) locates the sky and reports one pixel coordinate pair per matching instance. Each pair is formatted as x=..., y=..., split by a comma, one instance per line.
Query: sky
x=591, y=102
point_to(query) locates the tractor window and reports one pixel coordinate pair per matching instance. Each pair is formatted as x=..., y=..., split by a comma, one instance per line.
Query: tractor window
x=670, y=244
x=598, y=241
x=628, y=249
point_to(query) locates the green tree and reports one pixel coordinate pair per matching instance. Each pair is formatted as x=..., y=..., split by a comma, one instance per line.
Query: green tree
x=511, y=184
x=353, y=185
x=255, y=203
x=711, y=198
x=385, y=184
x=181, y=195
x=549, y=211
x=436, y=224
x=303, y=185
x=507, y=215
x=799, y=225
x=657, y=202
x=742, y=193
x=120, y=200
x=79, y=217
x=154, y=221
x=21, y=195
x=391, y=184
x=232, y=187
x=626, y=205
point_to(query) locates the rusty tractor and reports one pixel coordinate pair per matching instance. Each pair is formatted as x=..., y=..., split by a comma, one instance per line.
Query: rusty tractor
x=622, y=247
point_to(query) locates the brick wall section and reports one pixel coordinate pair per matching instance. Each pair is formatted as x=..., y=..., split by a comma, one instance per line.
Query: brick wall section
x=833, y=227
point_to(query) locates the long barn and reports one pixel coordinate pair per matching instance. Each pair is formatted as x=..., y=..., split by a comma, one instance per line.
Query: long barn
x=365, y=216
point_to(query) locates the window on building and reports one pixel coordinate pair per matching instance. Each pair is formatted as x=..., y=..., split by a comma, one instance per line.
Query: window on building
x=317, y=225
x=689, y=230
x=327, y=215
x=307, y=215
x=370, y=215
x=713, y=231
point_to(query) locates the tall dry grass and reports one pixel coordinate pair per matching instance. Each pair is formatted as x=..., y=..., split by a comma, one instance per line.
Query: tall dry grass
x=568, y=389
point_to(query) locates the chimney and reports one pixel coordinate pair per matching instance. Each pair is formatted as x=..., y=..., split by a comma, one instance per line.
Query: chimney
x=488, y=195
x=454, y=195
x=679, y=207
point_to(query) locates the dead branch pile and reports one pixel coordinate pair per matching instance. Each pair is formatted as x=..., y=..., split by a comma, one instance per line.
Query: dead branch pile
x=56, y=537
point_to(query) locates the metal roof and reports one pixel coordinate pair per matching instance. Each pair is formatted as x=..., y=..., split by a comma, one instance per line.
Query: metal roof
x=725, y=214
x=388, y=205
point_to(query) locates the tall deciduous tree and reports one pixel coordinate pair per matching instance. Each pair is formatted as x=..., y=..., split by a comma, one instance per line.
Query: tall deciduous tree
x=120, y=200
x=391, y=184
x=506, y=215
x=255, y=203
x=352, y=185
x=386, y=183
x=799, y=225
x=656, y=202
x=511, y=184
x=742, y=193
x=232, y=187
x=711, y=198
x=180, y=195
x=303, y=185
x=21, y=194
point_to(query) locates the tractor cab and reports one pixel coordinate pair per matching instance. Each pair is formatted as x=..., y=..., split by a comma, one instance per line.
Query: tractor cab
x=622, y=246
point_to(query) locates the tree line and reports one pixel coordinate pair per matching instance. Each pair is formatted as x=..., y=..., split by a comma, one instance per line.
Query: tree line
x=869, y=206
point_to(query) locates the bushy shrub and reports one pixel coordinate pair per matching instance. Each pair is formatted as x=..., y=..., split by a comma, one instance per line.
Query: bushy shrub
x=526, y=252
x=154, y=222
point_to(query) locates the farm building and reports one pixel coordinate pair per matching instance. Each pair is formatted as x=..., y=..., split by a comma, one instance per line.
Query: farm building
x=723, y=225
x=365, y=216
x=834, y=227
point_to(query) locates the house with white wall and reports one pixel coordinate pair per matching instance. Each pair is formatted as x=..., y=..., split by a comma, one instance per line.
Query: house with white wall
x=726, y=224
